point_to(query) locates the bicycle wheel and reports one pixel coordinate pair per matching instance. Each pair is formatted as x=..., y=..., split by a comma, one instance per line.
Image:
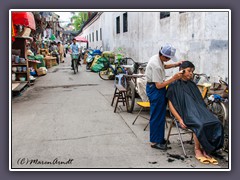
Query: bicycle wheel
x=220, y=110
x=105, y=74
x=74, y=66
x=130, y=96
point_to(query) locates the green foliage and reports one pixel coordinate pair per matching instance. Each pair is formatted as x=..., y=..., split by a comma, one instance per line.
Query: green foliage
x=119, y=53
x=79, y=20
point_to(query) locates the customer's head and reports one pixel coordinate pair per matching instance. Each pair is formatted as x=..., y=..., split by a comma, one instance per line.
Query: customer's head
x=188, y=69
x=167, y=52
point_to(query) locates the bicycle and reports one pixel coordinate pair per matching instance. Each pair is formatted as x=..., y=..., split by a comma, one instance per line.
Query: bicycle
x=215, y=103
x=75, y=62
x=134, y=71
x=109, y=71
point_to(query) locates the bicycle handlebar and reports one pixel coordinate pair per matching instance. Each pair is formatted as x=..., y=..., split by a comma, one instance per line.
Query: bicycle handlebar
x=223, y=82
x=126, y=58
x=197, y=76
x=201, y=74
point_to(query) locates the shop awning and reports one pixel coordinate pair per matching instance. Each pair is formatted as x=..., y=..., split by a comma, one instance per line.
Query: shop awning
x=81, y=39
x=24, y=18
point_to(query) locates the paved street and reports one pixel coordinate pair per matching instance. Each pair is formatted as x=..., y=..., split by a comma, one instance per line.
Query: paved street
x=67, y=119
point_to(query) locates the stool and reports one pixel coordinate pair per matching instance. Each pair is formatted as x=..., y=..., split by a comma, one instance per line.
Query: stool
x=142, y=105
x=120, y=94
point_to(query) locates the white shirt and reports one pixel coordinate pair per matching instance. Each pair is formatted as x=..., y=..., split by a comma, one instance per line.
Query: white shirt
x=155, y=71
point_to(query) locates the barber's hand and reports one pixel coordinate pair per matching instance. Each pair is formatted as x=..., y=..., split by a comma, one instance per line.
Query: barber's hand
x=178, y=75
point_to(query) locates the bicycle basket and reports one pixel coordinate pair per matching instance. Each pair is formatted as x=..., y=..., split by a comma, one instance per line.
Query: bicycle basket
x=75, y=56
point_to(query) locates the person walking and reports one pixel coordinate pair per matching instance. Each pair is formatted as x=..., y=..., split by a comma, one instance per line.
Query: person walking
x=53, y=49
x=75, y=50
x=66, y=48
x=61, y=52
x=156, y=92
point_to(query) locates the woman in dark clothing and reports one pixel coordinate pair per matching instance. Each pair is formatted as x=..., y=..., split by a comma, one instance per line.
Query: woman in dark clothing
x=186, y=104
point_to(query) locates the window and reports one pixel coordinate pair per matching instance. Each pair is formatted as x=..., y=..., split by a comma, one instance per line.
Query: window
x=90, y=37
x=93, y=37
x=164, y=14
x=96, y=35
x=100, y=33
x=125, y=22
x=118, y=24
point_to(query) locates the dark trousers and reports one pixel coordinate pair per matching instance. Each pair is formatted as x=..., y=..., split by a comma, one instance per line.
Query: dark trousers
x=157, y=98
x=78, y=61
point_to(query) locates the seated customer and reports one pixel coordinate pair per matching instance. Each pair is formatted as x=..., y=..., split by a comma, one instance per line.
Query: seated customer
x=186, y=104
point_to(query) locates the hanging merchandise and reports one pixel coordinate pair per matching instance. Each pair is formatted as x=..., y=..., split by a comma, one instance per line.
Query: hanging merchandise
x=13, y=32
x=24, y=18
x=48, y=32
x=52, y=37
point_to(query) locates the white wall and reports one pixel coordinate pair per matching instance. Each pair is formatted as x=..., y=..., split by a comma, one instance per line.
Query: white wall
x=92, y=28
x=200, y=37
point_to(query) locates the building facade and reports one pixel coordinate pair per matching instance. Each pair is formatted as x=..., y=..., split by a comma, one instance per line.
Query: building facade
x=200, y=37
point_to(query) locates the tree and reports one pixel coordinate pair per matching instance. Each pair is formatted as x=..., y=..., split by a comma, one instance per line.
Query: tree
x=79, y=19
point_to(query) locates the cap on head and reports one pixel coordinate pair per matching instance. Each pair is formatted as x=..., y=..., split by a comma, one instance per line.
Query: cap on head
x=168, y=51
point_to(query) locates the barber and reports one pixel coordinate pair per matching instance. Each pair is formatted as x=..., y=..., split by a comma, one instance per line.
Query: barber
x=156, y=92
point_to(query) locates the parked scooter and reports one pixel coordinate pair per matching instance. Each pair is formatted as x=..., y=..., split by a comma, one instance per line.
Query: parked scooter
x=91, y=55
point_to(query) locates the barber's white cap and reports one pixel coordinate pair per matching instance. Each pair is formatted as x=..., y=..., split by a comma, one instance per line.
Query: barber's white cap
x=169, y=51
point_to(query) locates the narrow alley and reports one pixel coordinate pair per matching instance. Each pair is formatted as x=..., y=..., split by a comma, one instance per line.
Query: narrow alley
x=66, y=120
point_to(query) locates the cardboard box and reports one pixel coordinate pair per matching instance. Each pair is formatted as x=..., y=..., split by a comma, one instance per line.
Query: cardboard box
x=41, y=72
x=50, y=61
